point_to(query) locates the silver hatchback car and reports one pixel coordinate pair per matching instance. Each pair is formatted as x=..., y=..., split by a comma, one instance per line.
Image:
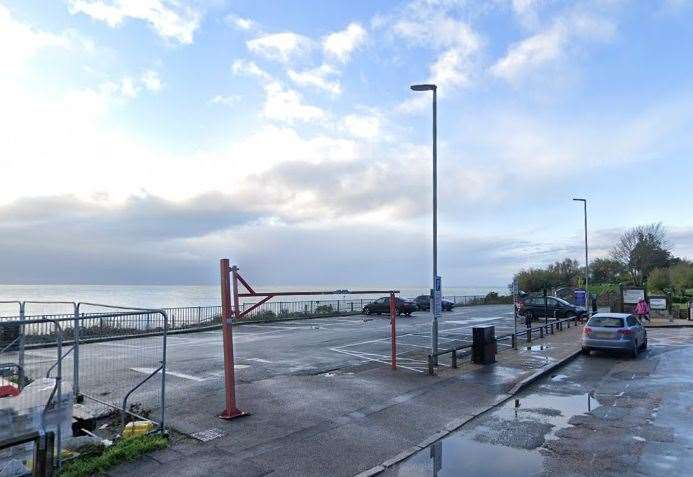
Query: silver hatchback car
x=614, y=332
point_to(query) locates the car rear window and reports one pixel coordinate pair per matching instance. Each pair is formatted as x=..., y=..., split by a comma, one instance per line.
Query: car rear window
x=606, y=322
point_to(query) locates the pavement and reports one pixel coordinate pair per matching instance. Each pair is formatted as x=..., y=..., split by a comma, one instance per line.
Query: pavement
x=322, y=398
x=599, y=415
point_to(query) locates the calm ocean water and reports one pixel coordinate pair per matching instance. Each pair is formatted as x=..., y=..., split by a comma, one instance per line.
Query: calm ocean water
x=155, y=296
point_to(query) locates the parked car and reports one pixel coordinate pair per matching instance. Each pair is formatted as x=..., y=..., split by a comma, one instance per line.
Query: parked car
x=614, y=332
x=533, y=307
x=382, y=305
x=424, y=303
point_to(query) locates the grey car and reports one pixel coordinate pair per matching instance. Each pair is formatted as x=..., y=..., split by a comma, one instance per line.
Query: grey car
x=614, y=332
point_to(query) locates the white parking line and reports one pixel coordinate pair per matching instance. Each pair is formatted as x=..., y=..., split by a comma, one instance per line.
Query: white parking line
x=170, y=373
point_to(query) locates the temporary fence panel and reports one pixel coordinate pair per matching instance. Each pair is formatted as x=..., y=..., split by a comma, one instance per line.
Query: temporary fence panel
x=122, y=360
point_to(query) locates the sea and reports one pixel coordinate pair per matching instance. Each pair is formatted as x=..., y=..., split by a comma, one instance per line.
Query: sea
x=159, y=296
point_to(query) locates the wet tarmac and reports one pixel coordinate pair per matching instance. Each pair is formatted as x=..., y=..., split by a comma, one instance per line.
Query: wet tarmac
x=600, y=415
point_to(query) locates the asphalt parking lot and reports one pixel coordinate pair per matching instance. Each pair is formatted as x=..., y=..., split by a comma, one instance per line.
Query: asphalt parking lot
x=266, y=350
x=600, y=415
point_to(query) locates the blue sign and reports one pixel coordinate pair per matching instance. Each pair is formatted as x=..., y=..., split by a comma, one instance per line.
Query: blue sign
x=580, y=297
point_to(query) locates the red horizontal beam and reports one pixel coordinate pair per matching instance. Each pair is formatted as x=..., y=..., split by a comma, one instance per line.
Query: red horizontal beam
x=322, y=292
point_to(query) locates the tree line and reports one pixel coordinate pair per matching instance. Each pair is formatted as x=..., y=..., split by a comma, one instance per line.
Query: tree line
x=642, y=256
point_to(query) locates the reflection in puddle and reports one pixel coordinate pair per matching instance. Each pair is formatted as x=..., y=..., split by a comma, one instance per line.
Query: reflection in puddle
x=464, y=456
x=505, y=442
x=537, y=347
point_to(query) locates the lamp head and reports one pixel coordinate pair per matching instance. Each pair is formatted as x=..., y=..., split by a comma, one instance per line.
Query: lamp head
x=423, y=87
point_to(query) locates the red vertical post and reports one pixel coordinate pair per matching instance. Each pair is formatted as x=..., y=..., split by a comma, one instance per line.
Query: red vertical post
x=393, y=330
x=231, y=410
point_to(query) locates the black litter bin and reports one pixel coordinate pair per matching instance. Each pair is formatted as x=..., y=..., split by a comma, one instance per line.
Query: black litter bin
x=484, y=344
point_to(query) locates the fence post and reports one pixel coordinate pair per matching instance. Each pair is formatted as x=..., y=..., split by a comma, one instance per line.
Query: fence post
x=529, y=335
x=454, y=359
x=430, y=365
x=513, y=341
x=75, y=355
x=393, y=331
x=21, y=345
x=541, y=332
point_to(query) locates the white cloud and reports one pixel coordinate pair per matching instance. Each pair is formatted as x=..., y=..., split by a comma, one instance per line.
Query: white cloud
x=169, y=18
x=225, y=100
x=287, y=105
x=249, y=68
x=551, y=44
x=241, y=23
x=317, y=77
x=362, y=126
x=282, y=47
x=451, y=69
x=457, y=46
x=341, y=44
x=19, y=42
x=152, y=81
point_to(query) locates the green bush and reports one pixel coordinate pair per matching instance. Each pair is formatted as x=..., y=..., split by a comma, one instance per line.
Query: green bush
x=324, y=309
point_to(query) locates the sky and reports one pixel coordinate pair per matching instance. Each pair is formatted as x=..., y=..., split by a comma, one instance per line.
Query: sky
x=142, y=140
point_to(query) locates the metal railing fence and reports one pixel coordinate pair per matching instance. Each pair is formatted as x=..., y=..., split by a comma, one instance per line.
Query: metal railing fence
x=545, y=329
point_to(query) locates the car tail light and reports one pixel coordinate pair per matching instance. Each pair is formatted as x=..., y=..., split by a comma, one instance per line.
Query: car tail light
x=625, y=332
x=587, y=330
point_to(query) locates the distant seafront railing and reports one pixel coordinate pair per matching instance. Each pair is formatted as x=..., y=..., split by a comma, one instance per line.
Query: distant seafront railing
x=191, y=317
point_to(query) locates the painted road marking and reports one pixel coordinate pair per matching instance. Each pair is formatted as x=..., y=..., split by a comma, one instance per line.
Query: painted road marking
x=170, y=373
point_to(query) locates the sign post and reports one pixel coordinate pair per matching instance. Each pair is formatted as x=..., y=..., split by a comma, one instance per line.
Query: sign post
x=436, y=311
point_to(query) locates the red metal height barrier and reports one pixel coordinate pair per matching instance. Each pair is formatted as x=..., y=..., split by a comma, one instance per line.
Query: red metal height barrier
x=230, y=307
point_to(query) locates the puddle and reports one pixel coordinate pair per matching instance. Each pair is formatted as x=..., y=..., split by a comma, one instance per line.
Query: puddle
x=449, y=456
x=537, y=347
x=505, y=442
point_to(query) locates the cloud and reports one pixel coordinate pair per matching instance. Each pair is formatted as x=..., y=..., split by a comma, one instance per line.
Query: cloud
x=362, y=126
x=283, y=47
x=249, y=68
x=225, y=100
x=245, y=24
x=62, y=239
x=340, y=45
x=287, y=105
x=434, y=25
x=317, y=77
x=151, y=81
x=552, y=44
x=169, y=18
x=19, y=42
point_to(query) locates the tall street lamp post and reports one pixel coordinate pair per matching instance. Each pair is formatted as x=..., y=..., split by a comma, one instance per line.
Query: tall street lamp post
x=434, y=311
x=587, y=263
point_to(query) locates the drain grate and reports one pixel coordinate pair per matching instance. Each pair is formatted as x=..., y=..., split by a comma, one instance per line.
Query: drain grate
x=208, y=435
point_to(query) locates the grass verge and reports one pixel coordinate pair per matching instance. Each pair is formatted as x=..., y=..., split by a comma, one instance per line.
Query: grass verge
x=122, y=451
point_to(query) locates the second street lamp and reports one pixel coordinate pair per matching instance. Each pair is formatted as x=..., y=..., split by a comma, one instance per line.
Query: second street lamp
x=434, y=297
x=587, y=263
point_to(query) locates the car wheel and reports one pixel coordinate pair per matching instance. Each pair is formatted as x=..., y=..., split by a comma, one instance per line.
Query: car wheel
x=407, y=314
x=367, y=311
x=529, y=315
x=586, y=351
x=634, y=352
x=643, y=346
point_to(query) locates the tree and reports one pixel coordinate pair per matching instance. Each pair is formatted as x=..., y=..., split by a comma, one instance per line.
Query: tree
x=565, y=273
x=659, y=280
x=534, y=279
x=606, y=270
x=642, y=249
x=681, y=276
